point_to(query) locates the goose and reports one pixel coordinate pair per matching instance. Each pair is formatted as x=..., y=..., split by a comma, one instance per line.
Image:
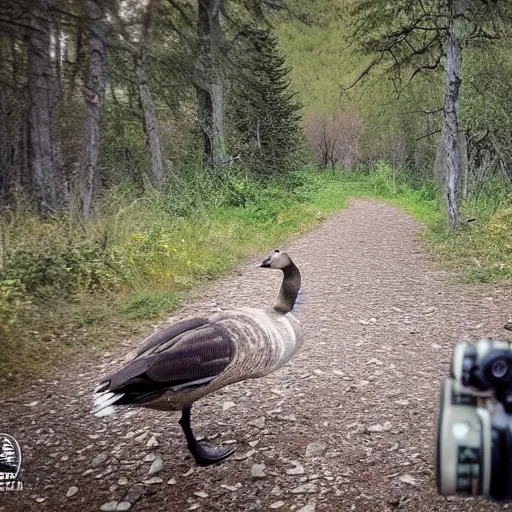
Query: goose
x=195, y=357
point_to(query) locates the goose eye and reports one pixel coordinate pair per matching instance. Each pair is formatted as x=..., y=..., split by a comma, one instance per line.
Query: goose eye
x=276, y=250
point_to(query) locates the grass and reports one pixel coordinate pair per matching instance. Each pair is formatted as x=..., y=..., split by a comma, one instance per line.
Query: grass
x=150, y=304
x=75, y=290
x=481, y=250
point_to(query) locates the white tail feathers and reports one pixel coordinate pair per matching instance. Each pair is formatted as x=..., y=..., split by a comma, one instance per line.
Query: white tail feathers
x=103, y=401
x=107, y=411
x=102, y=387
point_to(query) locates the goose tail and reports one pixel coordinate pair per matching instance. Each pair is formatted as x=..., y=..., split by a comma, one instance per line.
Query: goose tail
x=104, y=400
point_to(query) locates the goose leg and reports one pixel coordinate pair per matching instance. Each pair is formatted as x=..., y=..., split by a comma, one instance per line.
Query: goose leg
x=203, y=455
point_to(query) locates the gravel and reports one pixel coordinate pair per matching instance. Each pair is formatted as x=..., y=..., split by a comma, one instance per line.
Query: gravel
x=71, y=491
x=380, y=322
x=258, y=471
x=156, y=467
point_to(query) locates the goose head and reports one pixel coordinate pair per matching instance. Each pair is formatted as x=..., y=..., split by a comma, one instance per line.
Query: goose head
x=278, y=260
x=290, y=286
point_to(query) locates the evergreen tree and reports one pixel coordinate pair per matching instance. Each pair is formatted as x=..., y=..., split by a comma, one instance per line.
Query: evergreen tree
x=264, y=113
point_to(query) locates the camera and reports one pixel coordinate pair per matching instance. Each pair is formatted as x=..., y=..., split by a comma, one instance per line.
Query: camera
x=474, y=438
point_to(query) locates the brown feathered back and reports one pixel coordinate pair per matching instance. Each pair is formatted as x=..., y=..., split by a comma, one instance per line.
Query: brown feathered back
x=155, y=339
x=190, y=350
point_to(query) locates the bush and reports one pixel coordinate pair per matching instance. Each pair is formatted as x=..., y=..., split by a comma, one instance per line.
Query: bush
x=14, y=303
x=239, y=191
x=62, y=268
x=382, y=180
x=305, y=182
x=162, y=242
x=496, y=237
x=427, y=192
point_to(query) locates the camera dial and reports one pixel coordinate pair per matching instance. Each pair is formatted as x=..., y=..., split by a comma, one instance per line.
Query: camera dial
x=499, y=368
x=495, y=370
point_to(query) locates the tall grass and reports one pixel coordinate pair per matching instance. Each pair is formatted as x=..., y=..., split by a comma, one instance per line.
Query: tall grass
x=481, y=251
x=66, y=283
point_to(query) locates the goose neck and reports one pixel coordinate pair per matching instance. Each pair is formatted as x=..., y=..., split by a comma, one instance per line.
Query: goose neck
x=289, y=290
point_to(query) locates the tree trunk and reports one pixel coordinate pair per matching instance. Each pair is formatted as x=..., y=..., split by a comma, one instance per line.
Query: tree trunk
x=464, y=165
x=89, y=180
x=209, y=80
x=450, y=132
x=146, y=102
x=204, y=118
x=48, y=179
x=218, y=134
x=11, y=120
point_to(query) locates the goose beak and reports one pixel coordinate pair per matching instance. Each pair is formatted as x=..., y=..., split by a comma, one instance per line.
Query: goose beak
x=265, y=263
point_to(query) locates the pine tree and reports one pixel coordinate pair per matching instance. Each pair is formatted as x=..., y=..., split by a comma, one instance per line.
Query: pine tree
x=264, y=113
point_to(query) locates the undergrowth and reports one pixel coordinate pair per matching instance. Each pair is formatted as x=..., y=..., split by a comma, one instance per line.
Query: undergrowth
x=67, y=284
x=481, y=250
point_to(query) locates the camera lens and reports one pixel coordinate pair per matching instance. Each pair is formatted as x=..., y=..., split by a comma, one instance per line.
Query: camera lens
x=499, y=368
x=494, y=371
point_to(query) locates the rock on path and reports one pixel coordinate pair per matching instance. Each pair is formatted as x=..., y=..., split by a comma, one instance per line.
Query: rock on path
x=380, y=322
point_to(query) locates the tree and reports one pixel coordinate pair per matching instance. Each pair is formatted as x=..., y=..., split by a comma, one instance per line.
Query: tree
x=334, y=139
x=146, y=99
x=218, y=24
x=14, y=104
x=408, y=38
x=486, y=112
x=49, y=184
x=209, y=80
x=94, y=96
x=134, y=24
x=264, y=112
x=450, y=132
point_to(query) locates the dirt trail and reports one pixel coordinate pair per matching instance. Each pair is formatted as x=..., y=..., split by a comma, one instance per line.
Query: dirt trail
x=380, y=322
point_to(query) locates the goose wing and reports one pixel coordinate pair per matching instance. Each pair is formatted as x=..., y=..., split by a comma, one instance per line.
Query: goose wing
x=186, y=354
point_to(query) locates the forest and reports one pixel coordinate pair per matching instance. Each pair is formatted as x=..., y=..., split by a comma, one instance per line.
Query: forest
x=148, y=147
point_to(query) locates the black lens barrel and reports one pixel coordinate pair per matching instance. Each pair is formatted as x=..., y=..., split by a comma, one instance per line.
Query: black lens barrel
x=501, y=460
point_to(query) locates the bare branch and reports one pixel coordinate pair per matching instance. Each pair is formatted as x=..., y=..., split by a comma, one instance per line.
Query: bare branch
x=423, y=111
x=426, y=135
x=435, y=65
x=372, y=65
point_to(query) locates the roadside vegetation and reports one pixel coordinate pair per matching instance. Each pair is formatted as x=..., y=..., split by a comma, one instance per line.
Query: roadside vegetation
x=147, y=148
x=72, y=285
x=481, y=250
x=66, y=283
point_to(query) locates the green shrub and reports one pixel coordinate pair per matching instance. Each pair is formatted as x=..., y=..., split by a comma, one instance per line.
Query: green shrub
x=307, y=181
x=382, y=180
x=491, y=245
x=239, y=191
x=14, y=303
x=63, y=268
x=427, y=192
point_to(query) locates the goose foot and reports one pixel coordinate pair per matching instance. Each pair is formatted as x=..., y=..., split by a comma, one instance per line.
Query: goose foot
x=203, y=455
x=206, y=456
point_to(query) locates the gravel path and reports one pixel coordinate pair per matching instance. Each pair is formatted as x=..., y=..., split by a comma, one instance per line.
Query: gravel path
x=348, y=425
